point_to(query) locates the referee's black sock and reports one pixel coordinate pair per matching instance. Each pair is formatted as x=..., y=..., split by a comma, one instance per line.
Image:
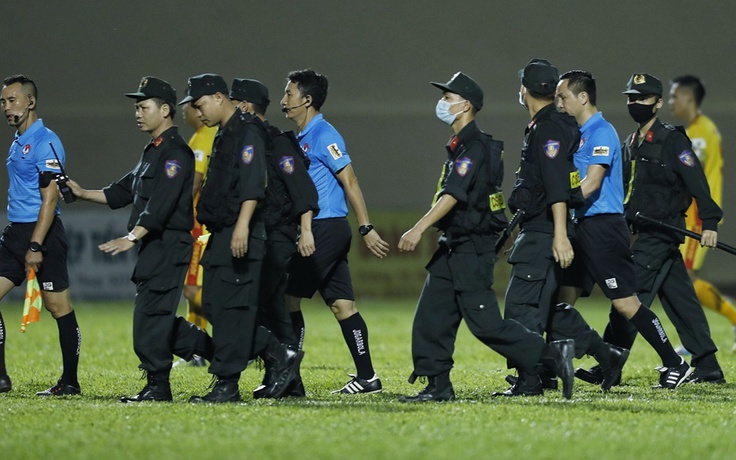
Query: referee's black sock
x=297, y=322
x=355, y=332
x=3, y=370
x=70, y=340
x=648, y=325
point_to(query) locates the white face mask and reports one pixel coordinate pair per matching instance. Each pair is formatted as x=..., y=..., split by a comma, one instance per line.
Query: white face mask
x=521, y=100
x=443, y=111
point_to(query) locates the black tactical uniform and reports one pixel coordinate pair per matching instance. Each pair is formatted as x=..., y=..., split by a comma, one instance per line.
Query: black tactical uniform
x=290, y=193
x=460, y=277
x=459, y=283
x=546, y=176
x=160, y=190
x=237, y=173
x=667, y=176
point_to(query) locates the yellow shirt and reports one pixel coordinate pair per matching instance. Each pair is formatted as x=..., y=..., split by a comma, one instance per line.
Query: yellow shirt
x=201, y=144
x=706, y=140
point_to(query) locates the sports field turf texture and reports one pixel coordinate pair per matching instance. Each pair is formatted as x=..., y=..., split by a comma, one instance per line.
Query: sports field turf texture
x=632, y=421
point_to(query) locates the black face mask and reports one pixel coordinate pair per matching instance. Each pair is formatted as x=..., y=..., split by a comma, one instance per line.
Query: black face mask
x=641, y=113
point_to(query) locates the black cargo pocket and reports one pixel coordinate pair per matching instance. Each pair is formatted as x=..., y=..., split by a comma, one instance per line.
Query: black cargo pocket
x=151, y=302
x=237, y=290
x=527, y=282
x=646, y=270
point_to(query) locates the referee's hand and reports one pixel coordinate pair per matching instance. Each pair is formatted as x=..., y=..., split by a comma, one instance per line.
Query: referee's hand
x=375, y=244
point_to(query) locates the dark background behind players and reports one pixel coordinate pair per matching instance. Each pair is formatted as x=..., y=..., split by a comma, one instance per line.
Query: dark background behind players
x=81, y=56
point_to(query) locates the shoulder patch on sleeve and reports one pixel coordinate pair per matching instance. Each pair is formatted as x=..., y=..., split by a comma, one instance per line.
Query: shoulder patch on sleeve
x=463, y=165
x=53, y=164
x=601, y=151
x=246, y=155
x=334, y=151
x=286, y=163
x=173, y=168
x=687, y=158
x=551, y=148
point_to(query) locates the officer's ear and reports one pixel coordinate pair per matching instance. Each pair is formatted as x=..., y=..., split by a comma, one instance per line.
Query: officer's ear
x=31, y=102
x=165, y=109
x=659, y=104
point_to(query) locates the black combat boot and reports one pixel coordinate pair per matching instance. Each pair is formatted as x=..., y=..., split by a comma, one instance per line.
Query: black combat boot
x=611, y=359
x=282, y=370
x=439, y=388
x=527, y=383
x=157, y=389
x=224, y=389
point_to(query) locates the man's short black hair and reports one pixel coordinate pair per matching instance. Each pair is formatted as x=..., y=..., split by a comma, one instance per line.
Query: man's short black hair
x=695, y=85
x=579, y=81
x=310, y=83
x=159, y=102
x=27, y=83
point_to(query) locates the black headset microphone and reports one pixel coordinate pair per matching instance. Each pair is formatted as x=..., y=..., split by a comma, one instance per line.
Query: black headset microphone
x=286, y=109
x=17, y=117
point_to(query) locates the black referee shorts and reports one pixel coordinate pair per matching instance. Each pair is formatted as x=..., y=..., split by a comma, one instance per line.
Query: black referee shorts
x=327, y=269
x=603, y=257
x=53, y=275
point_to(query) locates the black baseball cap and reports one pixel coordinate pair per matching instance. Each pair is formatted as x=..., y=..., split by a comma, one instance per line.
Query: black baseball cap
x=540, y=76
x=204, y=85
x=154, y=87
x=464, y=86
x=643, y=83
x=246, y=89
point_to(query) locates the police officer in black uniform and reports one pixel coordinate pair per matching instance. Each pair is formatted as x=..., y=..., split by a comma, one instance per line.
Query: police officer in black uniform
x=160, y=190
x=458, y=285
x=228, y=206
x=667, y=175
x=290, y=202
x=547, y=185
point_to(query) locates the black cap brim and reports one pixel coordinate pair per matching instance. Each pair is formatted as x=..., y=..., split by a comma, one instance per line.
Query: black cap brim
x=137, y=95
x=185, y=100
x=442, y=86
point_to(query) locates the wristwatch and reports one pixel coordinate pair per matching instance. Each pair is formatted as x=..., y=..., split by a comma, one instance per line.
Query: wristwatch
x=365, y=229
x=35, y=247
x=131, y=237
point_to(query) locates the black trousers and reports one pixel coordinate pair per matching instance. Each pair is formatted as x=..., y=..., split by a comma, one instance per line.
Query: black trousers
x=230, y=303
x=458, y=287
x=534, y=280
x=157, y=331
x=272, y=312
x=661, y=271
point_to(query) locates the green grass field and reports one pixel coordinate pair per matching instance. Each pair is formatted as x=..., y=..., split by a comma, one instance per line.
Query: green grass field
x=632, y=421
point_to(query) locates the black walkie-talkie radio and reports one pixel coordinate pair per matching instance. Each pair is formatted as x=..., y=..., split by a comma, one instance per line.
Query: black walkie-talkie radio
x=62, y=180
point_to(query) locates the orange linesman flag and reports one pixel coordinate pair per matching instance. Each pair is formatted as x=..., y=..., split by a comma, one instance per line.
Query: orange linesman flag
x=33, y=303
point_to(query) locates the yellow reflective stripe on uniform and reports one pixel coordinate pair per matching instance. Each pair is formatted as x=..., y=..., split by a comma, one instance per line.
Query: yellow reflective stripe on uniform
x=439, y=183
x=574, y=179
x=497, y=201
x=631, y=182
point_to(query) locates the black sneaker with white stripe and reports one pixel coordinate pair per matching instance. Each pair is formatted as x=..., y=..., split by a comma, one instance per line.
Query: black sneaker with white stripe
x=672, y=377
x=361, y=386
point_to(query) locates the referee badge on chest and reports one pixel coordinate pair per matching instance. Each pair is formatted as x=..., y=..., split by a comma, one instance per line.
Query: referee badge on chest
x=246, y=156
x=26, y=149
x=463, y=165
x=173, y=168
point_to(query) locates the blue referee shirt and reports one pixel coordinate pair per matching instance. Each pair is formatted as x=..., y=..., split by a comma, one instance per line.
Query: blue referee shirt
x=325, y=148
x=30, y=154
x=600, y=145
